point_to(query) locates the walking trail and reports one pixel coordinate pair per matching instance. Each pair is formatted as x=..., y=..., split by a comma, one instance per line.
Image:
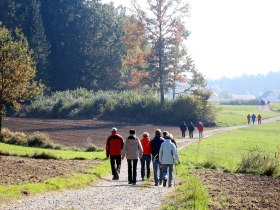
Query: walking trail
x=108, y=194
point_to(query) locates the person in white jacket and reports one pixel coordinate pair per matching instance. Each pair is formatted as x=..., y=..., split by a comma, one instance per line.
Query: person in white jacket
x=168, y=155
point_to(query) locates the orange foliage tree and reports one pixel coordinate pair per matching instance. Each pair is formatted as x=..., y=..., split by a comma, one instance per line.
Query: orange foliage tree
x=134, y=63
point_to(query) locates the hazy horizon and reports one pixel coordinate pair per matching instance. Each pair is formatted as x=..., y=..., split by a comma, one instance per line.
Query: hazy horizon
x=232, y=38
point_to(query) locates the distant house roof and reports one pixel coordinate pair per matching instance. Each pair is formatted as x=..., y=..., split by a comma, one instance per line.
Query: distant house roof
x=243, y=97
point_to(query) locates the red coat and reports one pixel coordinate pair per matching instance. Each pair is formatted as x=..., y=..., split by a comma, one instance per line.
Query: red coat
x=146, y=146
x=114, y=145
x=200, y=127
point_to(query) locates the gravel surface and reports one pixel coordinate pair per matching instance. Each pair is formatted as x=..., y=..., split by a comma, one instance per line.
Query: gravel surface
x=108, y=194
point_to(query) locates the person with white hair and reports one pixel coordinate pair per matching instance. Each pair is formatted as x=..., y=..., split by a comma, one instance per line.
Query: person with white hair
x=168, y=155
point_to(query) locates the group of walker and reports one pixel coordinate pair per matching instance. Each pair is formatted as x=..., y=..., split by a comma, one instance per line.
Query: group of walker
x=162, y=151
x=253, y=117
x=191, y=129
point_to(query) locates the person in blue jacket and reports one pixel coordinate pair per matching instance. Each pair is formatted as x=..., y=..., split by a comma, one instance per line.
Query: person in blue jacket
x=253, y=118
x=191, y=129
x=168, y=155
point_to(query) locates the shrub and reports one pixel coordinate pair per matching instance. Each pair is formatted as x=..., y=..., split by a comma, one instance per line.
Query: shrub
x=9, y=137
x=255, y=161
x=38, y=139
x=93, y=148
x=43, y=155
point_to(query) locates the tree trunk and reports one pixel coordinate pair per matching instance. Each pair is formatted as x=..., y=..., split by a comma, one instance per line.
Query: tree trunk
x=1, y=117
x=161, y=66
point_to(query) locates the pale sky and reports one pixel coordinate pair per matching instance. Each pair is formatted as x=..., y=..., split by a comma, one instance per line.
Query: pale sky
x=232, y=37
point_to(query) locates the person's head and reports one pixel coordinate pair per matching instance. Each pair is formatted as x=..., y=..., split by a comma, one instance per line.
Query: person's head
x=145, y=135
x=167, y=136
x=200, y=123
x=158, y=132
x=170, y=135
x=164, y=133
x=114, y=129
x=132, y=132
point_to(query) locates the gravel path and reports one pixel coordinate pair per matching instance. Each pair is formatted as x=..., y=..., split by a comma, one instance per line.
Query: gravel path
x=108, y=194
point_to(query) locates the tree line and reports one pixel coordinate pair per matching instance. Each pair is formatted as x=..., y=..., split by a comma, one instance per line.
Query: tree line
x=82, y=43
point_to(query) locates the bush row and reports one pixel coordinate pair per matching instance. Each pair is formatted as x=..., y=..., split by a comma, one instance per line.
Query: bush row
x=137, y=106
x=36, y=139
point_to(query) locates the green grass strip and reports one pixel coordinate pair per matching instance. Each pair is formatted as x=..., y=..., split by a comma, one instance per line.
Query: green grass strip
x=189, y=192
x=76, y=181
x=229, y=115
x=226, y=150
x=275, y=107
x=60, y=154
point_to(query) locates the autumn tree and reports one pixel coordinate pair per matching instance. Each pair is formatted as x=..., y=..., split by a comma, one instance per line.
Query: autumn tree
x=134, y=64
x=17, y=71
x=163, y=22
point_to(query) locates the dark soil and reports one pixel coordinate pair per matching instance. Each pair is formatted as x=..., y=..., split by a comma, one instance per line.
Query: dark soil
x=16, y=170
x=81, y=133
x=240, y=191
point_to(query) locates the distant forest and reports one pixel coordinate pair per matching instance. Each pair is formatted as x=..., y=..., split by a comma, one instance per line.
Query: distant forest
x=246, y=84
x=88, y=44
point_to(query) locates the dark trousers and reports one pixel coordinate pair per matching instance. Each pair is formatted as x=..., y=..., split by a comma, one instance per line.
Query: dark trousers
x=132, y=170
x=183, y=134
x=115, y=161
x=191, y=134
x=145, y=163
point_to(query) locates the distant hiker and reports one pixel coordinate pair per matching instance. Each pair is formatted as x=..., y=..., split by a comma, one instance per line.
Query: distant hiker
x=191, y=129
x=248, y=118
x=253, y=118
x=165, y=133
x=114, y=145
x=259, y=119
x=146, y=157
x=183, y=128
x=200, y=128
x=155, y=146
x=132, y=149
x=168, y=155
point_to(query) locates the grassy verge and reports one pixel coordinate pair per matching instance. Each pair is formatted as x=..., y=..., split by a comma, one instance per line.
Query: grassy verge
x=59, y=154
x=189, y=192
x=229, y=115
x=275, y=107
x=76, y=181
x=229, y=149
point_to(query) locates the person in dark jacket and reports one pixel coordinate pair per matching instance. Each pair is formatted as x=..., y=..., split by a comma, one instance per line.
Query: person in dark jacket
x=191, y=129
x=132, y=150
x=114, y=145
x=155, y=146
x=253, y=118
x=183, y=128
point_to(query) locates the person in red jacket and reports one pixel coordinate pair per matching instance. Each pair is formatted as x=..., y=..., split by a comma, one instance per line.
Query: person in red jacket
x=146, y=157
x=259, y=119
x=200, y=130
x=114, y=145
